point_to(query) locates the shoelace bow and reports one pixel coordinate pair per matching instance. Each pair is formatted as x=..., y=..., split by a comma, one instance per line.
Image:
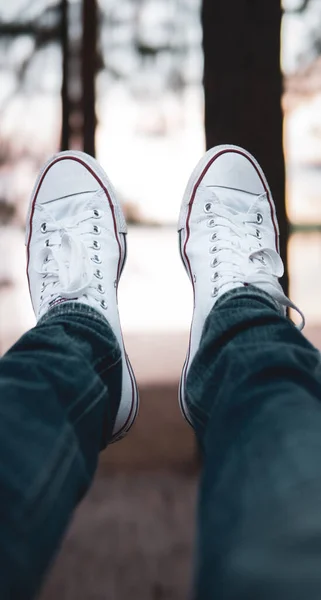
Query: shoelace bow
x=244, y=261
x=65, y=262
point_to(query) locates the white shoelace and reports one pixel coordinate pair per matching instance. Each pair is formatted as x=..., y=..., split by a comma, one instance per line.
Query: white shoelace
x=242, y=259
x=65, y=262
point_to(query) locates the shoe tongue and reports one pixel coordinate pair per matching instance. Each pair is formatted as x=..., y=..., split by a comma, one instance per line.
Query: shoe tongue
x=69, y=206
x=236, y=201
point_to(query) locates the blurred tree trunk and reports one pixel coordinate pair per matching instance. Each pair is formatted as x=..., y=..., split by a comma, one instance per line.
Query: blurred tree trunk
x=79, y=67
x=89, y=69
x=243, y=87
x=65, y=94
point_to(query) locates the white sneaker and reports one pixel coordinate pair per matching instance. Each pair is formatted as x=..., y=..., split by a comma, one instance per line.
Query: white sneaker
x=76, y=250
x=228, y=237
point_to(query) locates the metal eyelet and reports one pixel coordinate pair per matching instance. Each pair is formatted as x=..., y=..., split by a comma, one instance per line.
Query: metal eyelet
x=100, y=289
x=215, y=276
x=96, y=213
x=43, y=228
x=98, y=274
x=96, y=259
x=46, y=259
x=103, y=304
x=259, y=218
x=96, y=245
x=215, y=292
x=47, y=243
x=213, y=237
x=258, y=234
x=43, y=285
x=208, y=207
x=96, y=229
x=213, y=249
x=214, y=262
x=210, y=223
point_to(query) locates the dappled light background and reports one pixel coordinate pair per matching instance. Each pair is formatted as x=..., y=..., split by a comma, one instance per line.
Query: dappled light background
x=149, y=136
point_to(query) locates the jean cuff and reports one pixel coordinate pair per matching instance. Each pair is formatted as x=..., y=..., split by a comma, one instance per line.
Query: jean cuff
x=249, y=292
x=73, y=308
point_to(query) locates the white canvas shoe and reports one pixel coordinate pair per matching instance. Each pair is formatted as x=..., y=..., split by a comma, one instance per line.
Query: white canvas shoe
x=76, y=250
x=228, y=237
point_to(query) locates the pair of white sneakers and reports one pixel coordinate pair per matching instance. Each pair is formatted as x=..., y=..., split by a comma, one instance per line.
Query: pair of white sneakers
x=76, y=244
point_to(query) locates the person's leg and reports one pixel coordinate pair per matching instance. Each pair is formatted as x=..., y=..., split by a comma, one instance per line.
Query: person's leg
x=60, y=389
x=254, y=394
x=251, y=388
x=66, y=387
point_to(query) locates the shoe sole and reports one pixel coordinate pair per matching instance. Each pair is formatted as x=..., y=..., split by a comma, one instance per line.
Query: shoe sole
x=99, y=174
x=194, y=181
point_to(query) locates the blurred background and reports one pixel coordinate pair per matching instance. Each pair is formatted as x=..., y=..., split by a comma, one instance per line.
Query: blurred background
x=146, y=86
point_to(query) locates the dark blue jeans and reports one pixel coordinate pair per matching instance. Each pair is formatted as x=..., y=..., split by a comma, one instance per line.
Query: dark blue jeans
x=254, y=393
x=59, y=396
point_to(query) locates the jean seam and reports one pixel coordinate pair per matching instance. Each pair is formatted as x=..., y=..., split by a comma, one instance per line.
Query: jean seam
x=192, y=404
x=195, y=418
x=96, y=383
x=89, y=390
x=106, y=369
x=94, y=402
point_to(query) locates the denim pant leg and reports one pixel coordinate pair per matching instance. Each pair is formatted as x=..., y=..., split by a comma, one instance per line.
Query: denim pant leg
x=60, y=387
x=254, y=392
